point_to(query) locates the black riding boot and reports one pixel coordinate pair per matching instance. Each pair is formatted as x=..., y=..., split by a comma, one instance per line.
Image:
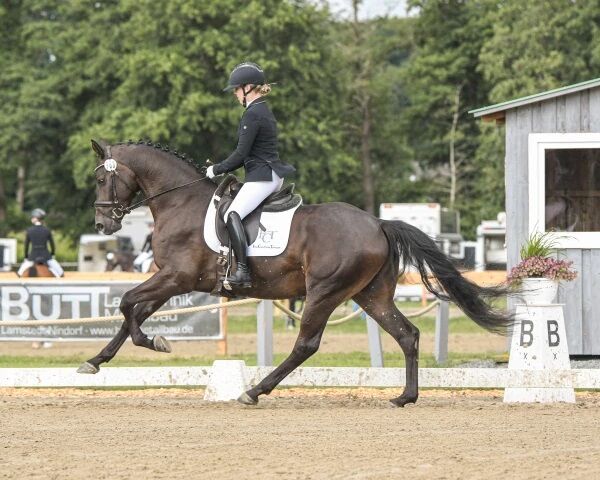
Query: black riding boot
x=239, y=243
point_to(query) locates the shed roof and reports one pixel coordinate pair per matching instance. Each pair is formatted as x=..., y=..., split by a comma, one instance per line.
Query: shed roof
x=496, y=112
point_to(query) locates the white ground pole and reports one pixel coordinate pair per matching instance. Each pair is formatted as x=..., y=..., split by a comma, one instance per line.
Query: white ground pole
x=303, y=376
x=442, y=317
x=375, y=348
x=264, y=330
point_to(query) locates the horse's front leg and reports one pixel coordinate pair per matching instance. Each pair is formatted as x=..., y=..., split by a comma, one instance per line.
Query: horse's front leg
x=163, y=285
x=141, y=312
x=314, y=319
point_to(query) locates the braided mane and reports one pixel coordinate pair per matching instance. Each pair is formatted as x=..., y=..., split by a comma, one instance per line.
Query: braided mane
x=165, y=148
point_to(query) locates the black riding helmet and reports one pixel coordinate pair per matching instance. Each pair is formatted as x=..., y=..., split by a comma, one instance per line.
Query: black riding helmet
x=38, y=213
x=246, y=73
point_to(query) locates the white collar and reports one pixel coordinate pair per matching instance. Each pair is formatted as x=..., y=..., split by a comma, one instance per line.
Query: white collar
x=261, y=98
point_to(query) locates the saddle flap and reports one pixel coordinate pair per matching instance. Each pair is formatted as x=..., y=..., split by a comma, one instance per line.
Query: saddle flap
x=224, y=195
x=251, y=222
x=284, y=199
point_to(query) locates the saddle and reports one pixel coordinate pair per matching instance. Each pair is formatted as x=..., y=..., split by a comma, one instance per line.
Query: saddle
x=284, y=199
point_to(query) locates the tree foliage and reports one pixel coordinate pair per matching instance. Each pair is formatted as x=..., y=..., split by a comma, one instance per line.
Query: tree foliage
x=387, y=96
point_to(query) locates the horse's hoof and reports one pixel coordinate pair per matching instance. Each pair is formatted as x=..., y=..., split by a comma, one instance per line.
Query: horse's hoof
x=87, y=367
x=401, y=401
x=161, y=345
x=247, y=399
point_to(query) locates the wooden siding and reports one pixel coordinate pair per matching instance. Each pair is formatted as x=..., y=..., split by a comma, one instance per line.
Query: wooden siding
x=573, y=113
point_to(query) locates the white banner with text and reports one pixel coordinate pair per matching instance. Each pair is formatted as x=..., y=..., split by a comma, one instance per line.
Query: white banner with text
x=23, y=301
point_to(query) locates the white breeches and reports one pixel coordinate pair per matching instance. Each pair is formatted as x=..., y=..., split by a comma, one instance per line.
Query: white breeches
x=53, y=266
x=143, y=261
x=252, y=194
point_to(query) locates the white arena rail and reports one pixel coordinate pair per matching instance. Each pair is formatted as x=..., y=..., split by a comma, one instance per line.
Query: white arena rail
x=304, y=376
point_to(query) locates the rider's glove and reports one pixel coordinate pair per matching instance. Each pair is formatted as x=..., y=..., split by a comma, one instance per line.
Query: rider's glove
x=209, y=172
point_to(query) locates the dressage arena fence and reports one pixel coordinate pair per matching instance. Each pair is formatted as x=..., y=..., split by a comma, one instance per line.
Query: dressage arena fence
x=373, y=376
x=265, y=325
x=462, y=378
x=203, y=308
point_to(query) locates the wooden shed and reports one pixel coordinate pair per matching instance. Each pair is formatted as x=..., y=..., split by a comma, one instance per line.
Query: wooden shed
x=552, y=174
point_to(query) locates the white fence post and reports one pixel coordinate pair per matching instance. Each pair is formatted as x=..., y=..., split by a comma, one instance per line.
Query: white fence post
x=375, y=348
x=441, y=332
x=264, y=330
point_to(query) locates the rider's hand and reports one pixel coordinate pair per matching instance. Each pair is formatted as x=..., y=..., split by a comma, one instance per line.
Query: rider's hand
x=209, y=172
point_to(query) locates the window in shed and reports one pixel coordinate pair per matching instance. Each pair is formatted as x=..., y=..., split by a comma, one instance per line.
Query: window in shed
x=572, y=189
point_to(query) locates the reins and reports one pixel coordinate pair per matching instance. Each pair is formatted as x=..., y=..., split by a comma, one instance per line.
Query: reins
x=141, y=202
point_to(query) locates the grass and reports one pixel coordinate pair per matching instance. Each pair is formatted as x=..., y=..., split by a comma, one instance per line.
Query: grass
x=246, y=324
x=239, y=324
x=352, y=359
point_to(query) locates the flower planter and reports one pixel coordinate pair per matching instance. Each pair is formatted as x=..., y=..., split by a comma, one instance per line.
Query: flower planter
x=539, y=291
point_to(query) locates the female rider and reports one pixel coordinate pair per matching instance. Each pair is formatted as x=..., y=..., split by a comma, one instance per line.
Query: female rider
x=257, y=151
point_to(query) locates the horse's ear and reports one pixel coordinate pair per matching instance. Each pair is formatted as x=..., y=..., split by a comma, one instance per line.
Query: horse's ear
x=98, y=148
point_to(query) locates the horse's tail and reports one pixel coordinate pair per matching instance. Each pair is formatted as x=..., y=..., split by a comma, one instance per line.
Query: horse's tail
x=411, y=246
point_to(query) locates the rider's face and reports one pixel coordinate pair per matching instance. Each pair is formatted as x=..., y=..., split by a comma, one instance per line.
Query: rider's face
x=239, y=94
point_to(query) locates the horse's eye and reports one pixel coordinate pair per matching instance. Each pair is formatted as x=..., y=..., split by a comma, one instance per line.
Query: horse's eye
x=100, y=181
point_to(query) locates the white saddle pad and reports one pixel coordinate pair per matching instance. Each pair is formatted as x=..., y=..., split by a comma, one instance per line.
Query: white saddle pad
x=269, y=242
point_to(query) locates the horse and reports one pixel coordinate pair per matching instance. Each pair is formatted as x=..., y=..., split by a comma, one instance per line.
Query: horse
x=123, y=260
x=335, y=252
x=38, y=269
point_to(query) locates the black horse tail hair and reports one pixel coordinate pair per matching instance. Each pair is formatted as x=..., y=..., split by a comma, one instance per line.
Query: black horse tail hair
x=411, y=246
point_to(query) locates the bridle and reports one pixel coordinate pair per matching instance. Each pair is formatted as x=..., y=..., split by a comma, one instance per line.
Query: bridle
x=118, y=209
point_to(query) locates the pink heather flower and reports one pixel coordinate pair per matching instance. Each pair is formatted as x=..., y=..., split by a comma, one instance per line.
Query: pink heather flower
x=542, y=267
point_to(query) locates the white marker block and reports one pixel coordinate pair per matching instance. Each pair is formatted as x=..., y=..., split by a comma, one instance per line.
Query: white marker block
x=539, y=342
x=227, y=381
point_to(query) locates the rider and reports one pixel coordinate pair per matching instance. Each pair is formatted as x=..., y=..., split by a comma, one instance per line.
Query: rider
x=143, y=261
x=257, y=151
x=39, y=237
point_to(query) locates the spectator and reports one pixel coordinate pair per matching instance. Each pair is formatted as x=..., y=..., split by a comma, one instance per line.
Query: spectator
x=144, y=260
x=39, y=237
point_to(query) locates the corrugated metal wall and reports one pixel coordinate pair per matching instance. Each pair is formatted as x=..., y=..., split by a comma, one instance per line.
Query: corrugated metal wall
x=578, y=112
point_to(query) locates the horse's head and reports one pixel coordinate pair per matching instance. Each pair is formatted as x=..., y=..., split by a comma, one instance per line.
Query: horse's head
x=116, y=187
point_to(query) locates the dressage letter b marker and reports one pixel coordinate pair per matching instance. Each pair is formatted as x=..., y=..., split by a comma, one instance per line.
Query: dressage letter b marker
x=526, y=329
x=553, y=337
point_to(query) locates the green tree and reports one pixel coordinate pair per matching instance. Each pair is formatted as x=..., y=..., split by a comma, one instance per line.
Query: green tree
x=372, y=52
x=443, y=83
x=538, y=46
x=34, y=114
x=129, y=69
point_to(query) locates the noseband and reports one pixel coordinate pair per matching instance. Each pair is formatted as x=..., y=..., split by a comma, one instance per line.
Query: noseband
x=118, y=209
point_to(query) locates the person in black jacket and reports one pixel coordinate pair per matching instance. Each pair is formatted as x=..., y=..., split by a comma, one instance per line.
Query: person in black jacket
x=143, y=261
x=39, y=237
x=257, y=152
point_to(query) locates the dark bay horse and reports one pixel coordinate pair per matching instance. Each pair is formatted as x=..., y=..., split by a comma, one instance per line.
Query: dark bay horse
x=122, y=260
x=336, y=252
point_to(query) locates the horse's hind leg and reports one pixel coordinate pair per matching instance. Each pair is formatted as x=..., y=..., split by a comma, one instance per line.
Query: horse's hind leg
x=140, y=313
x=377, y=299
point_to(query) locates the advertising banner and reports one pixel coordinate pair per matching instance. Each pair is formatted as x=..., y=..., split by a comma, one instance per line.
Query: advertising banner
x=23, y=301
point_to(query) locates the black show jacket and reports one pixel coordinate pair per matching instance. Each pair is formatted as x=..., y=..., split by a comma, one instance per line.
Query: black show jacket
x=257, y=146
x=38, y=237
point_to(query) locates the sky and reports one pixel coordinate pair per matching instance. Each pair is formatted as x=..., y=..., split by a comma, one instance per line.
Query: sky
x=370, y=8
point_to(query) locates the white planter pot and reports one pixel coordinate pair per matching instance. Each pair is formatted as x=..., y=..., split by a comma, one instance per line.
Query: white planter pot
x=539, y=291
